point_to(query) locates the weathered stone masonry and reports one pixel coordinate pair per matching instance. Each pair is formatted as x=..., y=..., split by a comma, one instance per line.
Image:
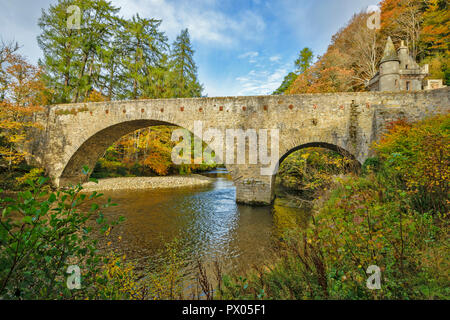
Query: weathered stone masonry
x=78, y=134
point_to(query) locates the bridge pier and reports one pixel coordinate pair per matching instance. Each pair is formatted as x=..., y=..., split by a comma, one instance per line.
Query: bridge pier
x=255, y=192
x=252, y=188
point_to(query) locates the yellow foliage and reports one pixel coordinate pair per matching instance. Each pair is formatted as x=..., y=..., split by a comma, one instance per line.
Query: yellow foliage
x=23, y=94
x=95, y=96
x=121, y=281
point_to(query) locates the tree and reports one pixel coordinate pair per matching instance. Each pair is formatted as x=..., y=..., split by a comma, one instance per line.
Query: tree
x=58, y=44
x=99, y=20
x=363, y=47
x=114, y=57
x=184, y=68
x=302, y=64
x=402, y=19
x=22, y=93
x=332, y=72
x=111, y=80
x=144, y=48
x=6, y=50
x=304, y=60
x=72, y=57
x=436, y=26
x=287, y=82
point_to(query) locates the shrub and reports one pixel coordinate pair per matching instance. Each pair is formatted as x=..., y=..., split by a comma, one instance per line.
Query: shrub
x=41, y=234
x=33, y=175
x=362, y=225
x=416, y=159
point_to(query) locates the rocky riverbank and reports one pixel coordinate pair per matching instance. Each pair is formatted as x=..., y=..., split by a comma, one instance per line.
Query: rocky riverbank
x=132, y=183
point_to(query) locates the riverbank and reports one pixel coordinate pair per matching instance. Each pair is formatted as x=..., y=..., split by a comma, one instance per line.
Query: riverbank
x=134, y=183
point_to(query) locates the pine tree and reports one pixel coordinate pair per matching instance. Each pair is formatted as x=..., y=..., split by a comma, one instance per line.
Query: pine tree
x=111, y=81
x=302, y=64
x=184, y=68
x=72, y=57
x=304, y=60
x=99, y=19
x=59, y=45
x=144, y=48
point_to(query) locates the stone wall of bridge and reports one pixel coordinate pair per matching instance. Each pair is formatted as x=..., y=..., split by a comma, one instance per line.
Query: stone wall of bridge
x=74, y=135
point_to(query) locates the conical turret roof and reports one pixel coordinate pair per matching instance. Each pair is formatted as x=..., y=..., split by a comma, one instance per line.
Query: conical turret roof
x=389, y=51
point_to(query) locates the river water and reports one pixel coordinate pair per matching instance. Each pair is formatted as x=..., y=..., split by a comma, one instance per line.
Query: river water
x=207, y=221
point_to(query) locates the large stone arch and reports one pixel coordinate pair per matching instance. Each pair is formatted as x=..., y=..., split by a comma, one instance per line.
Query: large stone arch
x=88, y=153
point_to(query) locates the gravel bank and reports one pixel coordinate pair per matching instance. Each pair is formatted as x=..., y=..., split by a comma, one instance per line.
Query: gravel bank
x=132, y=183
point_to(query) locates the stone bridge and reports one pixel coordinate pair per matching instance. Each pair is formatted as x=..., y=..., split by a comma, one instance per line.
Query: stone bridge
x=75, y=135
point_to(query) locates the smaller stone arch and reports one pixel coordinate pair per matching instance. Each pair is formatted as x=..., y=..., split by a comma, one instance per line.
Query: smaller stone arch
x=324, y=145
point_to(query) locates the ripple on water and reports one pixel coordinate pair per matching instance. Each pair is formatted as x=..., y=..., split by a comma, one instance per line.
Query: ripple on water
x=206, y=219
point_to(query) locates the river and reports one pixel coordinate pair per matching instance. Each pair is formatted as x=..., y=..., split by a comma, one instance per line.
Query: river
x=206, y=220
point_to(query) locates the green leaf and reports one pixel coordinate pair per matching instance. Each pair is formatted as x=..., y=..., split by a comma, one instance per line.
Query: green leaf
x=42, y=180
x=93, y=180
x=52, y=198
x=85, y=170
x=27, y=219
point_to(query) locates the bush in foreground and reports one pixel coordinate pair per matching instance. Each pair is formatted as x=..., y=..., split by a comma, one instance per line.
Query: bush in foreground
x=41, y=234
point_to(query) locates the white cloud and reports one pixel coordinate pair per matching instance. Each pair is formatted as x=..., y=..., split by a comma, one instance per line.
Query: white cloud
x=275, y=58
x=250, y=54
x=265, y=77
x=261, y=82
x=205, y=22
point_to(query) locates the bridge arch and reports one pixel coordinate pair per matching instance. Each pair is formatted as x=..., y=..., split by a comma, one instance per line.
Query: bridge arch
x=325, y=145
x=330, y=146
x=93, y=148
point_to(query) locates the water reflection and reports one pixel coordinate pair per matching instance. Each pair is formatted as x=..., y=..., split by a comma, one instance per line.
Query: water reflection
x=207, y=220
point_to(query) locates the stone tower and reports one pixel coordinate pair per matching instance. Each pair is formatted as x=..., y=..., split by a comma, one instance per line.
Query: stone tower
x=398, y=71
x=389, y=69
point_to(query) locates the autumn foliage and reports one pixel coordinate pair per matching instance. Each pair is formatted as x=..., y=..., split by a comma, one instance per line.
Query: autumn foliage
x=22, y=93
x=417, y=157
x=145, y=152
x=311, y=171
x=355, y=51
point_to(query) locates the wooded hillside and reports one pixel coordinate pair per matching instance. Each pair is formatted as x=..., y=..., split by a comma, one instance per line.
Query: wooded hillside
x=355, y=51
